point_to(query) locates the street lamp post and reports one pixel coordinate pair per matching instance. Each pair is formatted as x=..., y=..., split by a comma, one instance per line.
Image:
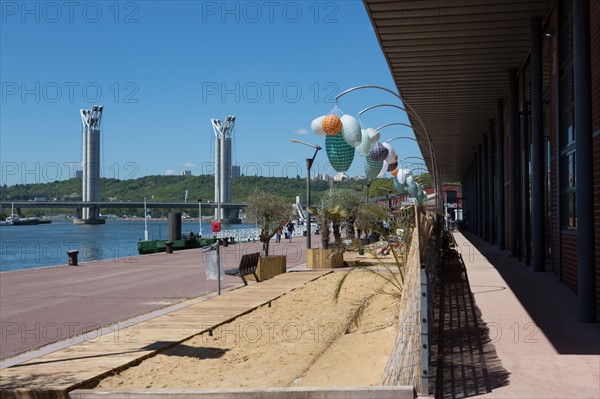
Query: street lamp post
x=309, y=163
x=200, y=217
x=145, y=221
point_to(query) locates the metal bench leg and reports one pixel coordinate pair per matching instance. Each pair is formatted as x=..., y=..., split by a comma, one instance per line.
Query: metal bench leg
x=256, y=277
x=244, y=280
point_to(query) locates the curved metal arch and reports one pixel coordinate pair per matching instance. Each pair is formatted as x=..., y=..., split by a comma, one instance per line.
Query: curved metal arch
x=395, y=124
x=381, y=105
x=436, y=177
x=368, y=87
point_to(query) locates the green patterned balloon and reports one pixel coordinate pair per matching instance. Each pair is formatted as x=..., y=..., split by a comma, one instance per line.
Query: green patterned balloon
x=372, y=168
x=339, y=153
x=399, y=187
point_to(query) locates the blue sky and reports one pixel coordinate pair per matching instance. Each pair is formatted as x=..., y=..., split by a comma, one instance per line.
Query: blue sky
x=162, y=70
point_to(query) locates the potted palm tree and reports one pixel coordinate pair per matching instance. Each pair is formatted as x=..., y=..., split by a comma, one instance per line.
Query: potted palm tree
x=330, y=255
x=269, y=212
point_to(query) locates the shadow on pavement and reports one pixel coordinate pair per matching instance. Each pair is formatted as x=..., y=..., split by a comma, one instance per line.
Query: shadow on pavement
x=464, y=359
x=550, y=303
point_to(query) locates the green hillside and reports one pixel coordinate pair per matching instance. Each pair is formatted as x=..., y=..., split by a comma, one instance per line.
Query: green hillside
x=173, y=188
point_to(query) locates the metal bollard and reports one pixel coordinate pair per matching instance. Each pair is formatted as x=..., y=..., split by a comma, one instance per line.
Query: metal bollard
x=169, y=247
x=72, y=257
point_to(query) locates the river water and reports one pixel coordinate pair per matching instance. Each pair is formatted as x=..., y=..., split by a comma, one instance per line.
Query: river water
x=26, y=247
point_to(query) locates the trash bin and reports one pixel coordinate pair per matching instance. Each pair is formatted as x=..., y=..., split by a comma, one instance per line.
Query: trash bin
x=169, y=247
x=72, y=257
x=304, y=233
x=214, y=271
x=225, y=241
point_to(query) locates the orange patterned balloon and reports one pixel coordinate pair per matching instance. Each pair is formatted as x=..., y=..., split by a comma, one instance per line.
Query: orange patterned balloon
x=394, y=172
x=332, y=125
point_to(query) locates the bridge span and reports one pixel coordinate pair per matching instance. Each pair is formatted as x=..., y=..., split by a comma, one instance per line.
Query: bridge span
x=115, y=204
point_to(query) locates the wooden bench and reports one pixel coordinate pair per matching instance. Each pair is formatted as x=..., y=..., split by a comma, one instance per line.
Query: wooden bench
x=248, y=265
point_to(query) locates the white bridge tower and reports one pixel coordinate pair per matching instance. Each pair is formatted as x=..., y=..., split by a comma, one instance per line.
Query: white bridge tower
x=223, y=169
x=90, y=164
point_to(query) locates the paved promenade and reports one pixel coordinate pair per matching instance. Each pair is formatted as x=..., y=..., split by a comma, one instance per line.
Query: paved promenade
x=516, y=336
x=42, y=306
x=55, y=374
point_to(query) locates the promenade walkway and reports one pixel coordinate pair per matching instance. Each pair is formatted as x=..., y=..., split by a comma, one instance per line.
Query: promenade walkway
x=42, y=306
x=53, y=375
x=506, y=332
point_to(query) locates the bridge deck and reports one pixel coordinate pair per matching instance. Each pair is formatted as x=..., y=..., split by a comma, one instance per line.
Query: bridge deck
x=55, y=374
x=115, y=204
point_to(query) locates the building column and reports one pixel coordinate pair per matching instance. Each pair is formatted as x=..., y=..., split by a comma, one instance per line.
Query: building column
x=490, y=184
x=484, y=188
x=526, y=180
x=513, y=162
x=478, y=183
x=537, y=148
x=584, y=173
x=500, y=172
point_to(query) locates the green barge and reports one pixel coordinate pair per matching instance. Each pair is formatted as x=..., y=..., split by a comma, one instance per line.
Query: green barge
x=155, y=246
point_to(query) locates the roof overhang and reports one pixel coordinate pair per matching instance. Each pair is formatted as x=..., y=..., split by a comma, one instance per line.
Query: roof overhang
x=450, y=62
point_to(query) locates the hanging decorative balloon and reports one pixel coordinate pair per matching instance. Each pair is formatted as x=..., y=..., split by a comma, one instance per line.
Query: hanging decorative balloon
x=317, y=126
x=384, y=168
x=394, y=172
x=391, y=158
x=339, y=153
x=392, y=166
x=420, y=195
x=411, y=186
x=400, y=188
x=351, y=130
x=332, y=124
x=372, y=168
x=365, y=144
x=373, y=134
x=403, y=175
x=378, y=152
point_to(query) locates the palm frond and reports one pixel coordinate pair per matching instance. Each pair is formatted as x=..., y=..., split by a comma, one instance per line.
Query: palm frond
x=354, y=321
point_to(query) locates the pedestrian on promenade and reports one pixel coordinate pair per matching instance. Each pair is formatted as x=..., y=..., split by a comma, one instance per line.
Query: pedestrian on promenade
x=278, y=235
x=290, y=229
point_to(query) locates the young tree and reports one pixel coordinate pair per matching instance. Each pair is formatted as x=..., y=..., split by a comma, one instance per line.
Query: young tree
x=331, y=212
x=269, y=211
x=370, y=217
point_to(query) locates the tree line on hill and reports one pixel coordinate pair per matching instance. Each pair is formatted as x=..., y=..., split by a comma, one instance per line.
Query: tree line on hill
x=160, y=188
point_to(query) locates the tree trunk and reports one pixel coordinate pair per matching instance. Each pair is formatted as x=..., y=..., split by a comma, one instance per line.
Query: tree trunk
x=350, y=228
x=325, y=235
x=265, y=240
x=337, y=235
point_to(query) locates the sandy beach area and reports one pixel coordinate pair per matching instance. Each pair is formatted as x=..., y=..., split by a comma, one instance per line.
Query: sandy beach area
x=304, y=339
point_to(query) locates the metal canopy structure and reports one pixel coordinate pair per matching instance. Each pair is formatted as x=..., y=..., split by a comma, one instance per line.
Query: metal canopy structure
x=450, y=62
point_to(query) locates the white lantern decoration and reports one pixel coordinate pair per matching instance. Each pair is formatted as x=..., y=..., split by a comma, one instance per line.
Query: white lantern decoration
x=351, y=131
x=317, y=126
x=384, y=169
x=373, y=135
x=403, y=175
x=365, y=144
x=391, y=153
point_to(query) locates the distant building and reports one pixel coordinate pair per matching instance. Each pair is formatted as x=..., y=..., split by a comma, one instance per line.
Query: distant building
x=235, y=171
x=186, y=173
x=78, y=174
x=321, y=176
x=340, y=176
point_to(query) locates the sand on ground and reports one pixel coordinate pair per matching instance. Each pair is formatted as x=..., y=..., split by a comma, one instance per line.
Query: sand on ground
x=304, y=339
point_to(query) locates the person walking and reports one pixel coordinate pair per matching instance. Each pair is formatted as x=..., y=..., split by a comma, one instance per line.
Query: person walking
x=278, y=234
x=290, y=229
